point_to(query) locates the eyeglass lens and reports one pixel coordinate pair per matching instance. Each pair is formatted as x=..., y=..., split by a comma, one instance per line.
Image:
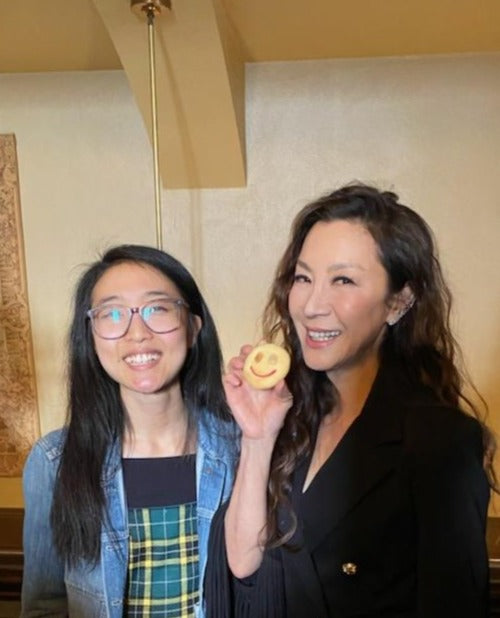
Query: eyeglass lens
x=113, y=321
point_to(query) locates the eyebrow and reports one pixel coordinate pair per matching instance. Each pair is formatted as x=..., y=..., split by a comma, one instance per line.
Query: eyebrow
x=332, y=267
x=151, y=294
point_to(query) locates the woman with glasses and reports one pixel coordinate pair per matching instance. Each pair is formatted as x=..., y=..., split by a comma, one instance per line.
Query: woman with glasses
x=119, y=502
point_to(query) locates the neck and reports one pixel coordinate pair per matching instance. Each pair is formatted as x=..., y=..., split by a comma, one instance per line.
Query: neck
x=157, y=425
x=353, y=387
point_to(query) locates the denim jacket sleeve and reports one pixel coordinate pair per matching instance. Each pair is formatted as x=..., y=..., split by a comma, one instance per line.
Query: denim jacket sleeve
x=43, y=589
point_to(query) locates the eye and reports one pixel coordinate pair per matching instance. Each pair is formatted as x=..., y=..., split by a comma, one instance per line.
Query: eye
x=158, y=307
x=111, y=313
x=301, y=278
x=342, y=280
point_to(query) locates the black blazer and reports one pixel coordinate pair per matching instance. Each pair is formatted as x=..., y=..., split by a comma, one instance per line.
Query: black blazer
x=394, y=524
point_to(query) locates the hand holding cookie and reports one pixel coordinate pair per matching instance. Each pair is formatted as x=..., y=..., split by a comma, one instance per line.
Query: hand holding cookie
x=266, y=365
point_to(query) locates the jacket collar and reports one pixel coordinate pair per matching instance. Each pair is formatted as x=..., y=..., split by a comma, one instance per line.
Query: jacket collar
x=370, y=450
x=367, y=453
x=219, y=440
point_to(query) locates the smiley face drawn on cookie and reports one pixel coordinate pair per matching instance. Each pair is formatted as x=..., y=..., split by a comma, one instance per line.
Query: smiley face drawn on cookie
x=266, y=365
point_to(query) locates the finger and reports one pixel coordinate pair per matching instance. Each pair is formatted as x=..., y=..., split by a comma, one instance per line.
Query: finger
x=232, y=380
x=236, y=364
x=245, y=350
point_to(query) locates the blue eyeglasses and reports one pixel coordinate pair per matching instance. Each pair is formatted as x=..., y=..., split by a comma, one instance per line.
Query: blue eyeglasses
x=110, y=321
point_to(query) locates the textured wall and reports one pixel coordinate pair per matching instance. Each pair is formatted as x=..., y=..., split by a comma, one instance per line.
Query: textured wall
x=427, y=127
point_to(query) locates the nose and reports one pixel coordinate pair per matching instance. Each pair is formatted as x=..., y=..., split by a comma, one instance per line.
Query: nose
x=317, y=302
x=137, y=330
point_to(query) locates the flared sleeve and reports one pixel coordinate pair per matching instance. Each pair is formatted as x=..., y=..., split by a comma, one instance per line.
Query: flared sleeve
x=260, y=595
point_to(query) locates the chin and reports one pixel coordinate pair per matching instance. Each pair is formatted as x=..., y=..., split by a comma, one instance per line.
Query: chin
x=318, y=359
x=316, y=365
x=146, y=389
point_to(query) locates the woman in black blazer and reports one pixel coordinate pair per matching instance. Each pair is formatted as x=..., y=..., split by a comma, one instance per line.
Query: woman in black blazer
x=363, y=485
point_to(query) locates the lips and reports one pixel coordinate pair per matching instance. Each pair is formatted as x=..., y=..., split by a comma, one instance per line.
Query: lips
x=144, y=358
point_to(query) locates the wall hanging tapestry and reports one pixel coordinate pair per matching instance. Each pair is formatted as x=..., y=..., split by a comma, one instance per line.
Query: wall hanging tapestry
x=19, y=425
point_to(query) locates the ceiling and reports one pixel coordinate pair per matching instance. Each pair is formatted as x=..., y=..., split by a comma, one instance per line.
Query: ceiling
x=203, y=45
x=69, y=35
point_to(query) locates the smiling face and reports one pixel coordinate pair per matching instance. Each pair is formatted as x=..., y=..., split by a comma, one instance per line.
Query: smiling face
x=266, y=365
x=141, y=362
x=339, y=301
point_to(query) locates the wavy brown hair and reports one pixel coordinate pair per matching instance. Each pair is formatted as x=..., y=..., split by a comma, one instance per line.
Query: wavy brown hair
x=421, y=340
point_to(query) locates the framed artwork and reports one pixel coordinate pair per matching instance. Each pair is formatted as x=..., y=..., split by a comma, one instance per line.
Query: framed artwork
x=19, y=423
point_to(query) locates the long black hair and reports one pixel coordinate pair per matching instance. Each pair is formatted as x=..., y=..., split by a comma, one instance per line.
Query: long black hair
x=96, y=418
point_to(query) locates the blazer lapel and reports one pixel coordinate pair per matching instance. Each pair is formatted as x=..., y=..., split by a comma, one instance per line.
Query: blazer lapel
x=304, y=595
x=368, y=452
x=365, y=455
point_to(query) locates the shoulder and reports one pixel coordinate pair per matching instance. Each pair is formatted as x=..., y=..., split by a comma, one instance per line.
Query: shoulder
x=49, y=446
x=40, y=468
x=425, y=420
x=217, y=437
x=442, y=446
x=430, y=421
x=444, y=452
x=444, y=443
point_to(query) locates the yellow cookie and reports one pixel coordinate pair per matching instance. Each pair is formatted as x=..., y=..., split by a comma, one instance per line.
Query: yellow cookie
x=266, y=365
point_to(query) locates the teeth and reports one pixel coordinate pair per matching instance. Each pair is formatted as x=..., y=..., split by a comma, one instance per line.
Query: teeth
x=323, y=335
x=141, y=359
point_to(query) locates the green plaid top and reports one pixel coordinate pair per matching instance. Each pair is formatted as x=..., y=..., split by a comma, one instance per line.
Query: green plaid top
x=163, y=572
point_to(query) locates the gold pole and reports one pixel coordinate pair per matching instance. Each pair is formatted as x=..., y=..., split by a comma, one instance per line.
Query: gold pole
x=154, y=119
x=150, y=9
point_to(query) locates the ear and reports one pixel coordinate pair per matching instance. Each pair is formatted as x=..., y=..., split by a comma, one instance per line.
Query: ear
x=400, y=303
x=195, y=324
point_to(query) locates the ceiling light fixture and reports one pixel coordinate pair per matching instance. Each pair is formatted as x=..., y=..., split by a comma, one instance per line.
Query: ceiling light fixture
x=150, y=9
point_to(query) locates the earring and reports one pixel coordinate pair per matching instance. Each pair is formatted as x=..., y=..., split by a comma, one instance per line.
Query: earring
x=409, y=305
x=401, y=313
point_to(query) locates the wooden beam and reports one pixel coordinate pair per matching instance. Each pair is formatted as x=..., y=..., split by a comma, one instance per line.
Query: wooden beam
x=199, y=89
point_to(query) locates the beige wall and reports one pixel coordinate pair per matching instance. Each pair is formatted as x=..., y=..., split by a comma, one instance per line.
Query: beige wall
x=427, y=127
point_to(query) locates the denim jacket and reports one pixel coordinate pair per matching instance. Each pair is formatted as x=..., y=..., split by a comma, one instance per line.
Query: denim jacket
x=51, y=588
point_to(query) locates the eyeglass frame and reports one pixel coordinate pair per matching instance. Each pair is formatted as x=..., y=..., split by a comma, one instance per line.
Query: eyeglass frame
x=178, y=302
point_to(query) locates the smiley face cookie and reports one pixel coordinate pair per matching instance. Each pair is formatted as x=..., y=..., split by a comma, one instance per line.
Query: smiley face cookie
x=266, y=365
